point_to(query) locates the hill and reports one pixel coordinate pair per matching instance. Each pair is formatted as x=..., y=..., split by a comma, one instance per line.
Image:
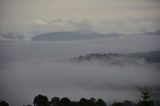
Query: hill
x=69, y=36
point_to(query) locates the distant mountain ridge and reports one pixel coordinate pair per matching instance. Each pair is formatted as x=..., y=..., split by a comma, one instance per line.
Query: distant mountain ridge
x=67, y=36
x=151, y=57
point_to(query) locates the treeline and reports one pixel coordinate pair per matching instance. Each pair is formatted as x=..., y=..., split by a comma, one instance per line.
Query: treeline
x=152, y=56
x=41, y=100
x=96, y=56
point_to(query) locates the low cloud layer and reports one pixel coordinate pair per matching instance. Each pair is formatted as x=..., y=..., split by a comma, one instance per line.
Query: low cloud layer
x=31, y=68
x=11, y=36
x=27, y=79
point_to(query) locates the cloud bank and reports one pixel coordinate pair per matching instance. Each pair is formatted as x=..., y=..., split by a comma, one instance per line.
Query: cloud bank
x=31, y=68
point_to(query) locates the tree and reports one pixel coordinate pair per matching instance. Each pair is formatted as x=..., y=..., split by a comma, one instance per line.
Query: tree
x=75, y=103
x=117, y=104
x=41, y=100
x=84, y=102
x=92, y=101
x=3, y=103
x=55, y=101
x=128, y=103
x=146, y=99
x=65, y=102
x=100, y=102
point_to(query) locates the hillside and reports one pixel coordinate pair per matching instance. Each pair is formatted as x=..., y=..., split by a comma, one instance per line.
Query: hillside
x=69, y=36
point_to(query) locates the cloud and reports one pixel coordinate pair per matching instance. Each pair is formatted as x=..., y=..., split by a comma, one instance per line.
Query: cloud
x=53, y=78
x=57, y=21
x=83, y=26
x=32, y=68
x=79, y=26
x=127, y=27
x=12, y=36
x=39, y=22
x=154, y=0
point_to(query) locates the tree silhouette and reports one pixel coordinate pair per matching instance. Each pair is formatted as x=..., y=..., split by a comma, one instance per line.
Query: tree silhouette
x=92, y=101
x=65, y=102
x=146, y=99
x=55, y=101
x=75, y=103
x=117, y=104
x=84, y=102
x=3, y=103
x=100, y=102
x=128, y=103
x=41, y=100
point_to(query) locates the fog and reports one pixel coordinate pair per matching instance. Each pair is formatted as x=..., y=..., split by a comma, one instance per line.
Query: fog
x=31, y=68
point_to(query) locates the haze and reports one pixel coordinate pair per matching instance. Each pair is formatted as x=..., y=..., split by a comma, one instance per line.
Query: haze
x=29, y=68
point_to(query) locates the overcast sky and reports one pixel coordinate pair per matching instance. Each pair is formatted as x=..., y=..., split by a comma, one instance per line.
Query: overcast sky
x=31, y=68
x=38, y=16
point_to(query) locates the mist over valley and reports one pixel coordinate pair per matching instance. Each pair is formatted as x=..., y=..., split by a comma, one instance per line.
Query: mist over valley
x=103, y=67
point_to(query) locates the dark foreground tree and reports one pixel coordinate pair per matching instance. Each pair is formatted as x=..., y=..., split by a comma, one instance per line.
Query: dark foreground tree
x=100, y=102
x=55, y=101
x=117, y=104
x=128, y=103
x=146, y=99
x=92, y=101
x=3, y=103
x=41, y=100
x=75, y=103
x=65, y=102
x=84, y=102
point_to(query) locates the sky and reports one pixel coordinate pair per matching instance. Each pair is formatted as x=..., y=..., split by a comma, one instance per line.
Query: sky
x=31, y=17
x=30, y=67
